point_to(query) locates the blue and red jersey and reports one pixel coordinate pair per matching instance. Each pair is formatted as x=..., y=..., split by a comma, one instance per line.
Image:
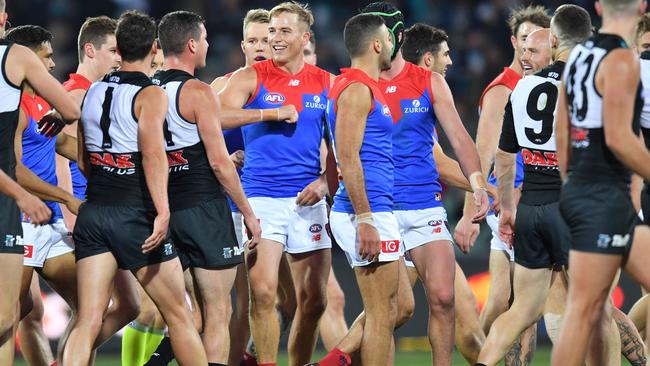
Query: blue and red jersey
x=376, y=149
x=410, y=100
x=283, y=158
x=38, y=150
x=77, y=81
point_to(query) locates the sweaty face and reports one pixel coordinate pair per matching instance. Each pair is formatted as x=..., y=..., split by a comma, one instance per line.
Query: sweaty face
x=286, y=36
x=45, y=52
x=537, y=52
x=310, y=53
x=643, y=42
x=157, y=63
x=106, y=56
x=524, y=30
x=202, y=47
x=442, y=59
x=386, y=48
x=256, y=43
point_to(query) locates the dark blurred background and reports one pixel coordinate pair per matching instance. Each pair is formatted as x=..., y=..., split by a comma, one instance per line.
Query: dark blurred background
x=479, y=41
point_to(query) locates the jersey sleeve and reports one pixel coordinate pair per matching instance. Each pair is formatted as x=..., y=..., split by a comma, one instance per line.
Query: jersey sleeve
x=508, y=140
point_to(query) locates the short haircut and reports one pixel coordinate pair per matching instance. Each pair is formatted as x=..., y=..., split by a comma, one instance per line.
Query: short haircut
x=644, y=25
x=301, y=10
x=621, y=6
x=135, y=33
x=571, y=24
x=176, y=28
x=358, y=31
x=30, y=36
x=94, y=31
x=420, y=39
x=535, y=14
x=255, y=16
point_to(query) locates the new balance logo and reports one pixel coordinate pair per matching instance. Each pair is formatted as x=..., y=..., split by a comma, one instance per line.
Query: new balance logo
x=391, y=89
x=294, y=82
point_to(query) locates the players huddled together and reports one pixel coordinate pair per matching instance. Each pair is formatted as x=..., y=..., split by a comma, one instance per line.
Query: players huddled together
x=144, y=196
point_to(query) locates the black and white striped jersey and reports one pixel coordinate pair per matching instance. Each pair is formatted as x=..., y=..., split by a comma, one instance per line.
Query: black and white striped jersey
x=191, y=179
x=9, y=102
x=590, y=156
x=110, y=130
x=528, y=126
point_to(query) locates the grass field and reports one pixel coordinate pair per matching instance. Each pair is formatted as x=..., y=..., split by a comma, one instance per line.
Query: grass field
x=542, y=357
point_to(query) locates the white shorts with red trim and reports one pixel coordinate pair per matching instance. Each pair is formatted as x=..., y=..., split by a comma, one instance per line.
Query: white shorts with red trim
x=344, y=228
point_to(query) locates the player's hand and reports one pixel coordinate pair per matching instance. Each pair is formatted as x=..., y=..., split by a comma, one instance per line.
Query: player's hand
x=313, y=193
x=507, y=226
x=238, y=158
x=496, y=200
x=73, y=204
x=37, y=212
x=465, y=234
x=482, y=205
x=159, y=234
x=369, y=242
x=50, y=124
x=253, y=230
x=288, y=113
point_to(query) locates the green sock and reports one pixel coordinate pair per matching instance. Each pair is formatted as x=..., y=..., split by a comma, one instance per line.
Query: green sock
x=154, y=337
x=133, y=344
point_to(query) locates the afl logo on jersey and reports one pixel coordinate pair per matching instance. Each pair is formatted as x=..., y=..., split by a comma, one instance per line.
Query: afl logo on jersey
x=316, y=228
x=385, y=111
x=274, y=98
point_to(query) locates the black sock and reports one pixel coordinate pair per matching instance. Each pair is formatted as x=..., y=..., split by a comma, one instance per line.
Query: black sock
x=163, y=354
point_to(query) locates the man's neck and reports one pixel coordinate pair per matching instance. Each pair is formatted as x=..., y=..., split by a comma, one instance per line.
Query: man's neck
x=516, y=66
x=293, y=66
x=624, y=27
x=562, y=54
x=142, y=66
x=179, y=63
x=396, y=66
x=89, y=72
x=366, y=65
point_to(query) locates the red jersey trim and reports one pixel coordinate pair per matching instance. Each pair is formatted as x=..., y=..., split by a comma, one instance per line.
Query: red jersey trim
x=508, y=78
x=77, y=81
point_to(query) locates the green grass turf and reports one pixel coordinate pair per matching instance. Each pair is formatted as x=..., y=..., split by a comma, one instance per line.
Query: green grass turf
x=542, y=358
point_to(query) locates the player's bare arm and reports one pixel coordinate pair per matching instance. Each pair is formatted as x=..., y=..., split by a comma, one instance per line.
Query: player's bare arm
x=468, y=158
x=83, y=159
x=206, y=117
x=618, y=109
x=506, y=170
x=353, y=105
x=32, y=182
x=451, y=174
x=66, y=146
x=42, y=81
x=235, y=94
x=151, y=108
x=562, y=131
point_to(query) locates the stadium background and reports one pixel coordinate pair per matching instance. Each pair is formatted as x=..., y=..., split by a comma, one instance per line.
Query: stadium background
x=480, y=48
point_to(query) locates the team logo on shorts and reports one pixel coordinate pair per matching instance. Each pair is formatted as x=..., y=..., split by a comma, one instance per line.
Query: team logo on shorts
x=11, y=240
x=390, y=246
x=168, y=249
x=316, y=228
x=437, y=196
x=274, y=98
x=29, y=251
x=437, y=229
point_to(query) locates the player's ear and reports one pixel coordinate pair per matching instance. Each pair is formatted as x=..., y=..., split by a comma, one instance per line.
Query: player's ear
x=599, y=8
x=428, y=59
x=242, y=46
x=191, y=44
x=376, y=46
x=89, y=50
x=513, y=40
x=643, y=7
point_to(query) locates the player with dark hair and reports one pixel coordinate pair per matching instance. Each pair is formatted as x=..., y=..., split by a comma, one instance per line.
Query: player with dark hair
x=125, y=218
x=21, y=65
x=200, y=171
x=596, y=129
x=428, y=47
